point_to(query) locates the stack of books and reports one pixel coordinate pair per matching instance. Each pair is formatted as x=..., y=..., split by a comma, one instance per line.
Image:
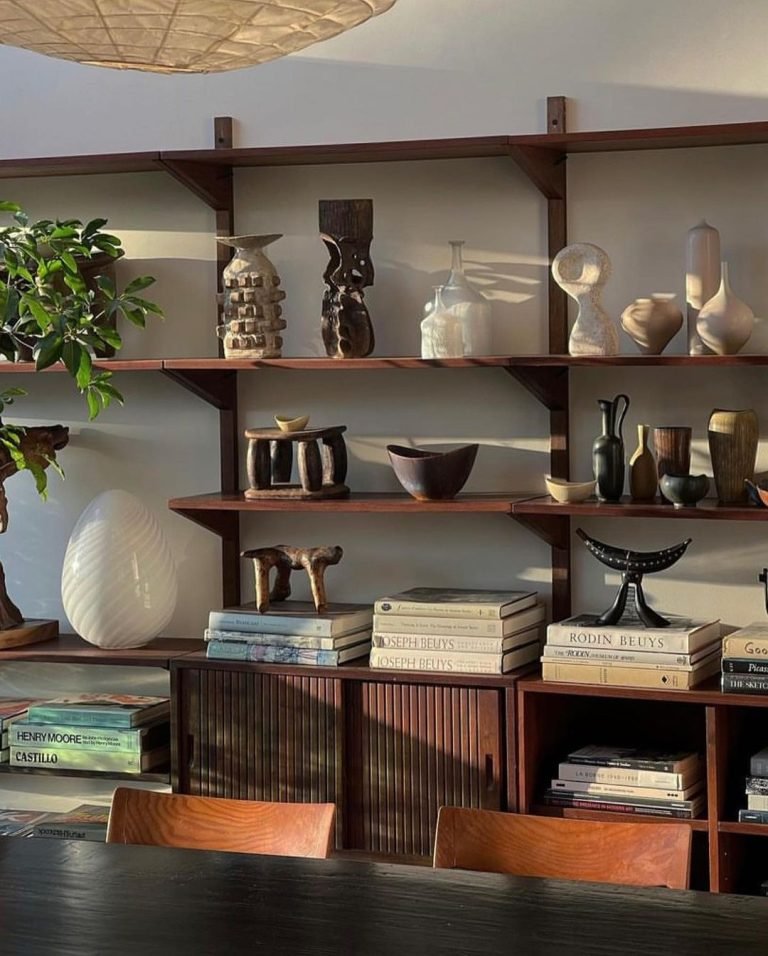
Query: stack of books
x=85, y=822
x=756, y=789
x=98, y=733
x=457, y=631
x=19, y=822
x=291, y=632
x=10, y=709
x=581, y=651
x=745, y=660
x=627, y=780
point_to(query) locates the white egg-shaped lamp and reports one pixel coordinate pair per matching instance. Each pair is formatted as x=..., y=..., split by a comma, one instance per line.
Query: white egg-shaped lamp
x=118, y=584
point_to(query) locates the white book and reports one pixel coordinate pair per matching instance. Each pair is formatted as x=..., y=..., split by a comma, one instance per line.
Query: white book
x=750, y=643
x=667, y=664
x=683, y=636
x=757, y=801
x=455, y=602
x=381, y=658
x=641, y=658
x=627, y=790
x=293, y=617
x=447, y=643
x=459, y=626
x=624, y=776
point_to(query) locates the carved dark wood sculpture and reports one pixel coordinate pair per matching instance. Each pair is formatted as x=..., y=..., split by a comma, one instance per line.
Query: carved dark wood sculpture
x=633, y=565
x=322, y=467
x=346, y=228
x=38, y=445
x=286, y=558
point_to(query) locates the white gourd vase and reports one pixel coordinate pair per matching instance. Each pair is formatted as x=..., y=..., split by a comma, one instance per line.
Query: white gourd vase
x=725, y=323
x=702, y=278
x=119, y=582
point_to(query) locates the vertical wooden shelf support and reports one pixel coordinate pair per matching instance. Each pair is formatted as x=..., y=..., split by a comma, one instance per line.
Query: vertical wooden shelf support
x=556, y=531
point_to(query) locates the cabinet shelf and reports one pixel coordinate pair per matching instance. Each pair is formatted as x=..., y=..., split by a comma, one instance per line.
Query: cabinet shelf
x=708, y=692
x=578, y=813
x=163, y=775
x=71, y=649
x=709, y=509
x=743, y=829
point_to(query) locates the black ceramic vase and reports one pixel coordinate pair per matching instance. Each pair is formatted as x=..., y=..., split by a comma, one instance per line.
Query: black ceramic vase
x=608, y=450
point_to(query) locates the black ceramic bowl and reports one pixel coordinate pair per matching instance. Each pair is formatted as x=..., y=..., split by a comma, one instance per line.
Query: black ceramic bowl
x=684, y=490
x=432, y=475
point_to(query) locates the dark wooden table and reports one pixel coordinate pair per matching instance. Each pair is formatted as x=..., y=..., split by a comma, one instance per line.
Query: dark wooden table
x=92, y=899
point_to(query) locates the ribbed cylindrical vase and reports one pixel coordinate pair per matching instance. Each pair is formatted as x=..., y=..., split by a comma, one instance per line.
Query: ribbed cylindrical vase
x=673, y=451
x=733, y=439
x=119, y=583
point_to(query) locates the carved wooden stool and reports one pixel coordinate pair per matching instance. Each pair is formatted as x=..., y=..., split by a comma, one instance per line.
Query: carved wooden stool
x=322, y=468
x=287, y=558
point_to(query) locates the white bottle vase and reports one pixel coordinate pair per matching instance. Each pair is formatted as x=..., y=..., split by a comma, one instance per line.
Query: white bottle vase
x=441, y=332
x=118, y=583
x=702, y=278
x=581, y=270
x=725, y=322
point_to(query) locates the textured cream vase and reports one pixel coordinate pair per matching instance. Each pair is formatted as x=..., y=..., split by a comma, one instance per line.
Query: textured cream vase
x=178, y=36
x=581, y=270
x=118, y=584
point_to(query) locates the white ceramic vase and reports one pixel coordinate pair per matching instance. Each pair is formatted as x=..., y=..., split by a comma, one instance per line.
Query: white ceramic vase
x=702, y=278
x=725, y=323
x=581, y=270
x=652, y=323
x=118, y=583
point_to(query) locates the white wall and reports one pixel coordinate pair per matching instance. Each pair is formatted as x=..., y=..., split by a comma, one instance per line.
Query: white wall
x=427, y=68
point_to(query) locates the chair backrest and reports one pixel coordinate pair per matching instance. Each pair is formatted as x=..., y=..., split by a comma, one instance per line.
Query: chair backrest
x=213, y=823
x=639, y=854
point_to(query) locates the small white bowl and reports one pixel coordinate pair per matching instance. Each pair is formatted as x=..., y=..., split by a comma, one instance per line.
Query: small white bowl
x=567, y=492
x=291, y=424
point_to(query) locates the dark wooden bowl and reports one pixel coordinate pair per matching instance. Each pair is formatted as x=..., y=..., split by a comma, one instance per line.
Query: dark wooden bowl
x=432, y=475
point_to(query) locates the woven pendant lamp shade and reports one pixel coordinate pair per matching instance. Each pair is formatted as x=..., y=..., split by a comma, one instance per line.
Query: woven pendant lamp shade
x=177, y=36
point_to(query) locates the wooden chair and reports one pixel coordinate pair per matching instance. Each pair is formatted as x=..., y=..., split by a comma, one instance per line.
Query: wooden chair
x=639, y=854
x=212, y=823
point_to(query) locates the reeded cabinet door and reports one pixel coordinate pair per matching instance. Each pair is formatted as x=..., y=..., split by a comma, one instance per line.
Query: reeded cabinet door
x=258, y=736
x=415, y=747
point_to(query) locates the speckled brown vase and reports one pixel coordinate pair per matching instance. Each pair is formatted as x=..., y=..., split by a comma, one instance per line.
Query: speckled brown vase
x=733, y=436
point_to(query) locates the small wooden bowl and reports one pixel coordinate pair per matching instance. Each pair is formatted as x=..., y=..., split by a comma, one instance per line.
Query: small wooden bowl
x=567, y=492
x=291, y=424
x=432, y=475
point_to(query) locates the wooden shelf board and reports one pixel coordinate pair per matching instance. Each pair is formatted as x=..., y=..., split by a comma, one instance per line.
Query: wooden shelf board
x=743, y=829
x=709, y=509
x=368, y=502
x=163, y=775
x=577, y=813
x=708, y=692
x=71, y=649
x=80, y=165
x=111, y=365
x=357, y=671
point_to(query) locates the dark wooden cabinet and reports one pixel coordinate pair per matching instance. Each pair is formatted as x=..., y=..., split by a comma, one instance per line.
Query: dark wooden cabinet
x=388, y=750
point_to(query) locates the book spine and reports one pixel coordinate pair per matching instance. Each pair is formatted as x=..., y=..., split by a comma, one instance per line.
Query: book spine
x=745, y=647
x=741, y=666
x=756, y=785
x=757, y=801
x=426, y=609
x=758, y=766
x=70, y=833
x=264, y=624
x=572, y=673
x=629, y=777
x=641, y=658
x=744, y=683
x=461, y=627
x=753, y=816
x=450, y=644
x=276, y=640
x=75, y=738
x=636, y=801
x=58, y=759
x=656, y=811
x=444, y=663
x=621, y=790
x=620, y=639
x=83, y=718
x=234, y=651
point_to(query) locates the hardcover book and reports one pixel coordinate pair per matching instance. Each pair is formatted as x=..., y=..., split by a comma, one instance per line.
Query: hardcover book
x=757, y=801
x=621, y=790
x=305, y=641
x=452, y=644
x=86, y=822
x=96, y=761
x=758, y=763
x=455, y=602
x=635, y=758
x=13, y=708
x=638, y=657
x=660, y=810
x=683, y=636
x=100, y=710
x=748, y=642
x=753, y=816
x=713, y=656
x=627, y=777
x=744, y=683
x=460, y=626
x=573, y=672
x=293, y=617
x=595, y=798
x=26, y=734
x=735, y=665
x=237, y=651
x=756, y=785
x=384, y=659
x=19, y=822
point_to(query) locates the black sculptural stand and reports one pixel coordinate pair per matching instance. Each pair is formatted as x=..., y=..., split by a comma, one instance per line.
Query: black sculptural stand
x=346, y=228
x=633, y=565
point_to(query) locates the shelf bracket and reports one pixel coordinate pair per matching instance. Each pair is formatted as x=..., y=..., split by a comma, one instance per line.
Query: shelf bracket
x=547, y=383
x=215, y=387
x=208, y=181
x=225, y=524
x=556, y=531
x=544, y=167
